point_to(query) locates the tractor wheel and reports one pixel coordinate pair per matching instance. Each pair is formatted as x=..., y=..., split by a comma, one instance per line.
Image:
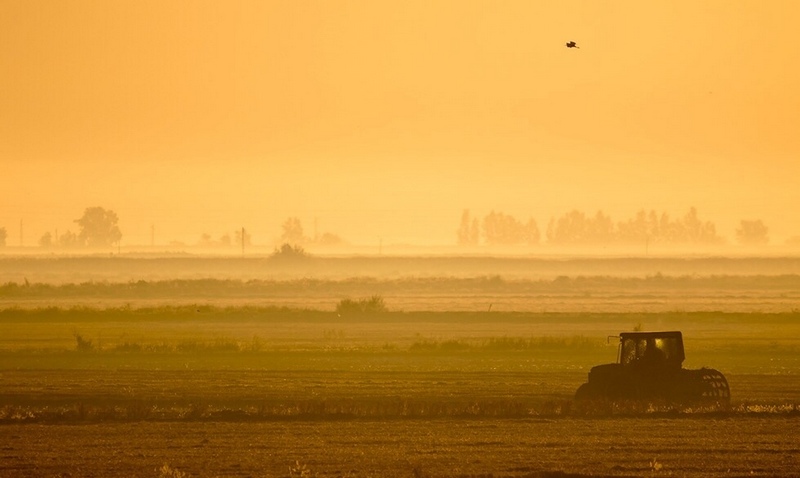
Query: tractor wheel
x=588, y=392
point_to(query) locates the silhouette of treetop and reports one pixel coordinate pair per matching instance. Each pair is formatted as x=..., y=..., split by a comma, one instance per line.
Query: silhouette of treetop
x=98, y=227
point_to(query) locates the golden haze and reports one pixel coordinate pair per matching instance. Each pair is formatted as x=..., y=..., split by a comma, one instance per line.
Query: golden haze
x=385, y=120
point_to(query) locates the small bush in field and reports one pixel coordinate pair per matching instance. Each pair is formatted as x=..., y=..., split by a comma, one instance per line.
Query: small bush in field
x=128, y=347
x=288, y=251
x=83, y=345
x=374, y=304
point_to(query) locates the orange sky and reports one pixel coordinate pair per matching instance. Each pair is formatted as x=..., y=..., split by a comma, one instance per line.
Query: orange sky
x=386, y=119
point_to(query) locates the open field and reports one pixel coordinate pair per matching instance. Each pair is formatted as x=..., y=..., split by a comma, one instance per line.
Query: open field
x=456, y=376
x=529, y=447
x=560, y=294
x=248, y=391
x=114, y=268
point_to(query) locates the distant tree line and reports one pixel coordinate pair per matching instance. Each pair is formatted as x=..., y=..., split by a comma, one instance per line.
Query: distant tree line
x=578, y=228
x=292, y=235
x=97, y=228
x=498, y=228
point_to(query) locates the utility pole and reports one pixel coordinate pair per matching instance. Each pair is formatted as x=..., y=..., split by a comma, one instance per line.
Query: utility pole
x=242, y=241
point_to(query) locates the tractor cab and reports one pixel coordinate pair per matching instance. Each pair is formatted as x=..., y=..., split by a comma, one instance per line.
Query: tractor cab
x=651, y=350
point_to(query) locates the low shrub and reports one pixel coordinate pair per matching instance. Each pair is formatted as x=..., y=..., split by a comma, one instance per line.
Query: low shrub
x=373, y=305
x=82, y=345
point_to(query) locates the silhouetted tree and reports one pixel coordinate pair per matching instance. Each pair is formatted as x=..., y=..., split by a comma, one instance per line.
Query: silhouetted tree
x=225, y=239
x=475, y=231
x=571, y=228
x=698, y=231
x=3, y=236
x=530, y=232
x=638, y=229
x=329, y=239
x=653, y=224
x=292, y=231
x=603, y=229
x=463, y=229
x=499, y=228
x=205, y=240
x=692, y=225
x=68, y=239
x=469, y=230
x=752, y=233
x=98, y=227
x=46, y=240
x=668, y=231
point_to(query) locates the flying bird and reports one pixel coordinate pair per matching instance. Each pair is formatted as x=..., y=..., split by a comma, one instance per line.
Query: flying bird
x=571, y=44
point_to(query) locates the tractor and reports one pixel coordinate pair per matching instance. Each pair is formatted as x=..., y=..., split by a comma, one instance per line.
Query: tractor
x=649, y=368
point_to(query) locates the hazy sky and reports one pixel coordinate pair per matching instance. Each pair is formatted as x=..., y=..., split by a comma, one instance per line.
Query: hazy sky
x=386, y=119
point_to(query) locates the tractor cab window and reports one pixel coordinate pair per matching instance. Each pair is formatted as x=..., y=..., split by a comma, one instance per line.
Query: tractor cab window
x=641, y=350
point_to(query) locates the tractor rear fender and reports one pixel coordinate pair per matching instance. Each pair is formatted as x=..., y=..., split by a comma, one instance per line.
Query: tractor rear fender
x=605, y=373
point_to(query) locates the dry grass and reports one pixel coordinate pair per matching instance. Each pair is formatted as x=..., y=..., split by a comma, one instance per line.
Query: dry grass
x=378, y=409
